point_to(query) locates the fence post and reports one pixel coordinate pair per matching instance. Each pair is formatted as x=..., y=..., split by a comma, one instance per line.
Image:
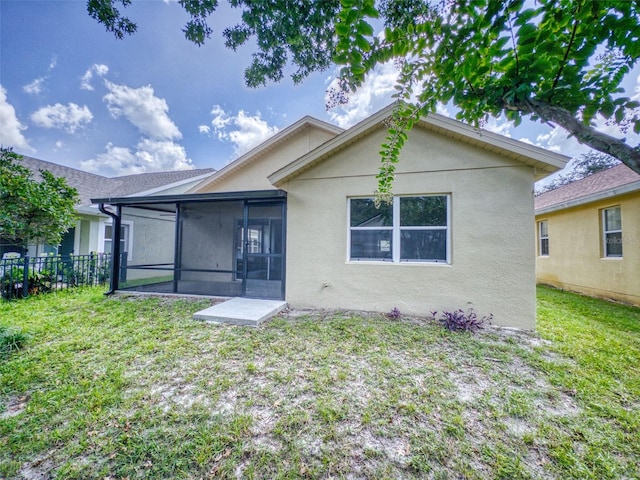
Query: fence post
x=25, y=277
x=123, y=267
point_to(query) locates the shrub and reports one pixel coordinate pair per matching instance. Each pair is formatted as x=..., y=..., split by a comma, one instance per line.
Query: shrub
x=459, y=320
x=11, y=340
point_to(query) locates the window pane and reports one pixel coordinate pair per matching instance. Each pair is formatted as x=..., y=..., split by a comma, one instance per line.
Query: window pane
x=365, y=214
x=612, y=218
x=544, y=229
x=613, y=244
x=423, y=245
x=423, y=211
x=108, y=232
x=544, y=246
x=107, y=246
x=371, y=245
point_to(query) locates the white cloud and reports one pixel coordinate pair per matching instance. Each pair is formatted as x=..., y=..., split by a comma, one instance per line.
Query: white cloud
x=242, y=130
x=10, y=127
x=443, y=110
x=35, y=87
x=500, y=125
x=143, y=109
x=69, y=117
x=636, y=89
x=96, y=69
x=374, y=94
x=150, y=156
x=204, y=129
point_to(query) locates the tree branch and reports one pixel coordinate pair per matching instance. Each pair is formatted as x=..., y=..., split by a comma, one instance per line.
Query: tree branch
x=585, y=134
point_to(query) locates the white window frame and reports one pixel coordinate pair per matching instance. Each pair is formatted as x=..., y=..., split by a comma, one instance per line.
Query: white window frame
x=128, y=241
x=542, y=237
x=606, y=232
x=396, y=231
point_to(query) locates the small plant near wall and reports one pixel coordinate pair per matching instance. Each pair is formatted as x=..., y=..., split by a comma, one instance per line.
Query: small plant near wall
x=459, y=320
x=394, y=314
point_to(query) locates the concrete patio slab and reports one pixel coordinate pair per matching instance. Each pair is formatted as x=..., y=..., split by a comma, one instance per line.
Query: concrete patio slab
x=241, y=311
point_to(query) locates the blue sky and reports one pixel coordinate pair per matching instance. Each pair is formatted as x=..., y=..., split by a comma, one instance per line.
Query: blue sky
x=70, y=93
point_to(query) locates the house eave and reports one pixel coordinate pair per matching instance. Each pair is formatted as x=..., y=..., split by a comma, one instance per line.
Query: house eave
x=595, y=197
x=257, y=152
x=192, y=197
x=544, y=161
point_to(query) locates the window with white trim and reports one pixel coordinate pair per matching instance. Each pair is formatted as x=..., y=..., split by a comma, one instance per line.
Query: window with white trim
x=108, y=238
x=612, y=232
x=411, y=229
x=543, y=238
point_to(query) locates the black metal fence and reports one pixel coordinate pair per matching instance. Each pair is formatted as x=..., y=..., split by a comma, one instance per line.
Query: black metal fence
x=21, y=277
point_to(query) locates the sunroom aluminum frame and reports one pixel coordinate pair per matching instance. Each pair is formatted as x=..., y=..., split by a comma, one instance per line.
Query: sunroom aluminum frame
x=147, y=202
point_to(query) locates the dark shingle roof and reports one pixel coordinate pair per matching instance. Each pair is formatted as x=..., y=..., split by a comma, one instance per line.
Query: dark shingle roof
x=597, y=183
x=90, y=185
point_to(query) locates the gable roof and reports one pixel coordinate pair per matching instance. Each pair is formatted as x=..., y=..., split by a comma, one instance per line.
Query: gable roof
x=608, y=183
x=92, y=185
x=544, y=161
x=256, y=153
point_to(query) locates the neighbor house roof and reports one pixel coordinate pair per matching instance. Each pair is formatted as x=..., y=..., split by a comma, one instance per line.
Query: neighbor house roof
x=91, y=185
x=608, y=183
x=258, y=152
x=544, y=161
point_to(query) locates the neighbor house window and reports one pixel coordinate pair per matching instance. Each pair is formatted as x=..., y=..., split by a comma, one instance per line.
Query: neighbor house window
x=543, y=236
x=108, y=238
x=411, y=229
x=612, y=232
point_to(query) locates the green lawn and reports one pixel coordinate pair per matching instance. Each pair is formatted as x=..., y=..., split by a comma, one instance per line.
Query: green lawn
x=133, y=388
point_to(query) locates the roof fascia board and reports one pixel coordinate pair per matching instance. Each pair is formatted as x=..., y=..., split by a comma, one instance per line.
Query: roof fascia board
x=167, y=186
x=550, y=161
x=298, y=126
x=539, y=154
x=594, y=197
x=364, y=126
x=193, y=197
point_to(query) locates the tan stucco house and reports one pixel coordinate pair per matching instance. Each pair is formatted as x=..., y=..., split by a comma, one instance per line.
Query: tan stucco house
x=294, y=219
x=588, y=235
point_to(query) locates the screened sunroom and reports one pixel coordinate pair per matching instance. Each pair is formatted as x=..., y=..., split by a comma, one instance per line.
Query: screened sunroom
x=219, y=244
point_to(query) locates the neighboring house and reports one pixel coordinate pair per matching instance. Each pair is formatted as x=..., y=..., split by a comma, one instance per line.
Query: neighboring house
x=92, y=232
x=588, y=235
x=295, y=219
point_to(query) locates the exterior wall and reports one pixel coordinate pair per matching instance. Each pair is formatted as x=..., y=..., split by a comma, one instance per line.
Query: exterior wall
x=576, y=260
x=253, y=175
x=492, y=251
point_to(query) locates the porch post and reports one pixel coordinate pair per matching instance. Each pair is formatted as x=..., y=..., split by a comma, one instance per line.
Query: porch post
x=177, y=253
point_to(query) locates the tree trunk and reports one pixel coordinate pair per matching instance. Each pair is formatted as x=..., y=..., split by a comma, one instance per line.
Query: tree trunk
x=585, y=134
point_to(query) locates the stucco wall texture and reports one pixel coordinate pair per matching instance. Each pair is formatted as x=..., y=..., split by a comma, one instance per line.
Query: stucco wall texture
x=492, y=233
x=576, y=259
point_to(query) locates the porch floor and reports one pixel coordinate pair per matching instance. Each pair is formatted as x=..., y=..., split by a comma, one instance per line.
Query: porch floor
x=241, y=311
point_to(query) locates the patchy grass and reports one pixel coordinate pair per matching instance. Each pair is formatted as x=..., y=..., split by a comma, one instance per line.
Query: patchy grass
x=132, y=387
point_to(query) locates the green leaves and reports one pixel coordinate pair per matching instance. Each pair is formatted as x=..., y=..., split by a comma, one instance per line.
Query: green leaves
x=30, y=209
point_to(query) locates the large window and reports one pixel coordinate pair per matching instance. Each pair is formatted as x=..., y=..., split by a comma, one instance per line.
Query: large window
x=543, y=238
x=411, y=229
x=612, y=232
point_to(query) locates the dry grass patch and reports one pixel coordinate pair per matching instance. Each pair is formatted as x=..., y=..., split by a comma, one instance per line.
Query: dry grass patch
x=137, y=389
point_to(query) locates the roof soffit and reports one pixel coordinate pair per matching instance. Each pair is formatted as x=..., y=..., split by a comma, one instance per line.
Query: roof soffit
x=541, y=159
